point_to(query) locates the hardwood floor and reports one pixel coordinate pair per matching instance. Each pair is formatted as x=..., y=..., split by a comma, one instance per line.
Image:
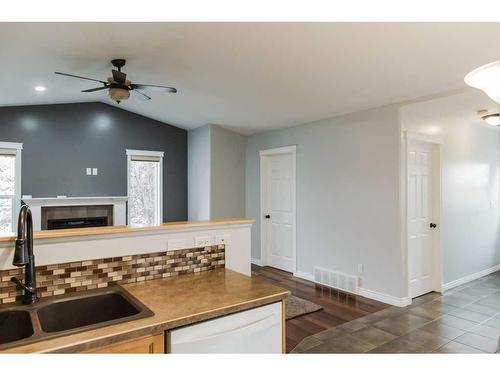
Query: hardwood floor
x=338, y=307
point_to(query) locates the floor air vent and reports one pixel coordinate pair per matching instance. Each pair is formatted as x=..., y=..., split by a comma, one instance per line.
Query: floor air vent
x=337, y=280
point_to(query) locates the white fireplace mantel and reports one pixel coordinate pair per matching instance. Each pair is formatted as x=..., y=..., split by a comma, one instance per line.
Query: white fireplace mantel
x=36, y=204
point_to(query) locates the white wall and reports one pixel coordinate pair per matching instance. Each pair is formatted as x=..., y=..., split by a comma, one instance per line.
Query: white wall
x=235, y=236
x=199, y=174
x=470, y=179
x=347, y=195
x=227, y=163
x=216, y=173
x=348, y=209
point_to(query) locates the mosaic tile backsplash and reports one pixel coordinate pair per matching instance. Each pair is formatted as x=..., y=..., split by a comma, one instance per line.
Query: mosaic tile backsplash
x=64, y=278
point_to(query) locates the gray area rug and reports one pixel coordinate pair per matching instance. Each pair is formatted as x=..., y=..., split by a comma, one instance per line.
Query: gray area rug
x=296, y=306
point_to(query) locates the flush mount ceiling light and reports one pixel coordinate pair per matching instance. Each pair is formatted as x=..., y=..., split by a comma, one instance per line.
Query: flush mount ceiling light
x=492, y=119
x=487, y=79
x=40, y=88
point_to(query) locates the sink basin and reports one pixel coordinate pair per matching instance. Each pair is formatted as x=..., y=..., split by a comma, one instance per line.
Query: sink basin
x=81, y=312
x=15, y=325
x=67, y=314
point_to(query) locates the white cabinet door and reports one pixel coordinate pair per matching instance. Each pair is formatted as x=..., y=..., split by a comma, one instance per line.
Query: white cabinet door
x=257, y=330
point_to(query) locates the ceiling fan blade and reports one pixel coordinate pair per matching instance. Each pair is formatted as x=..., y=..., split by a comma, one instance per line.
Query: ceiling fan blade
x=141, y=95
x=96, y=89
x=118, y=77
x=74, y=76
x=153, y=88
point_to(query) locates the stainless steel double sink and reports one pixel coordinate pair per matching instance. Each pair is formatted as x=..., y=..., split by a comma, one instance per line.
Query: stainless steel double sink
x=60, y=316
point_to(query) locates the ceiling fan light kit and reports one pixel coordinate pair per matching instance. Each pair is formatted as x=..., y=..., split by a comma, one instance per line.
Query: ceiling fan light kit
x=118, y=94
x=119, y=87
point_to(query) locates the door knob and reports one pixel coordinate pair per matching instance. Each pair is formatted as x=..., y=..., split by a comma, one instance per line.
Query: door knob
x=267, y=216
x=432, y=225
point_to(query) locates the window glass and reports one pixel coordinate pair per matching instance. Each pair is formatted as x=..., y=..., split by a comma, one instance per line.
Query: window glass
x=143, y=193
x=7, y=191
x=6, y=215
x=7, y=174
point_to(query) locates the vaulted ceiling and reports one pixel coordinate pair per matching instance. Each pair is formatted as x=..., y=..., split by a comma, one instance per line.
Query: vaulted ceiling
x=250, y=77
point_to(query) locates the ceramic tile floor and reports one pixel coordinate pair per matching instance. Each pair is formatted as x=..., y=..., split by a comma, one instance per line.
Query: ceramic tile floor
x=463, y=320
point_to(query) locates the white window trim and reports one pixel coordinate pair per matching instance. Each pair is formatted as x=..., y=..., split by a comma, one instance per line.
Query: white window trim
x=159, y=154
x=17, y=150
x=11, y=145
x=145, y=153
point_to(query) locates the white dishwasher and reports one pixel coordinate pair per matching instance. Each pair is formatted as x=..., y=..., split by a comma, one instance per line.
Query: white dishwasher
x=257, y=330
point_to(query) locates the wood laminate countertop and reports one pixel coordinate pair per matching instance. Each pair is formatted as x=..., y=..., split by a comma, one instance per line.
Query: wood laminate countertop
x=175, y=301
x=61, y=233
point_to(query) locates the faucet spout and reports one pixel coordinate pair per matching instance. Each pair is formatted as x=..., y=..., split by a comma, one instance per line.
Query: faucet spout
x=23, y=255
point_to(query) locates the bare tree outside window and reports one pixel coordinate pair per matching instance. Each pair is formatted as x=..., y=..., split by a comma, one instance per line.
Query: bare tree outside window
x=143, y=193
x=7, y=191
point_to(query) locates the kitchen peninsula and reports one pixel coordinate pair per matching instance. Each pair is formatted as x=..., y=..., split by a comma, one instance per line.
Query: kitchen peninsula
x=184, y=272
x=81, y=244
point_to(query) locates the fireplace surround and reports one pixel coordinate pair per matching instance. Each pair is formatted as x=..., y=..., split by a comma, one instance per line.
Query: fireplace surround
x=77, y=212
x=66, y=217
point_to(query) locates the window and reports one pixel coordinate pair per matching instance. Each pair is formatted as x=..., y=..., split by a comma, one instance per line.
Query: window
x=10, y=185
x=145, y=187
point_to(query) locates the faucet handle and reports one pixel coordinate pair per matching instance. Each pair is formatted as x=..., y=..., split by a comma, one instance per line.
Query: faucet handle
x=18, y=282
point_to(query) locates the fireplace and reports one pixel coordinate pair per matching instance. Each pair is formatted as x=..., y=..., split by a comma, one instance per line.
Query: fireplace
x=84, y=222
x=77, y=208
x=66, y=217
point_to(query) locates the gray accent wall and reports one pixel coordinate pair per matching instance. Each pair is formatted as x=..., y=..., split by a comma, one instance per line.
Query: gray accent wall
x=347, y=195
x=62, y=140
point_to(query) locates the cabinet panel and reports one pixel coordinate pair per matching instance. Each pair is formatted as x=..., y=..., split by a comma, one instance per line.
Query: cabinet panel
x=153, y=344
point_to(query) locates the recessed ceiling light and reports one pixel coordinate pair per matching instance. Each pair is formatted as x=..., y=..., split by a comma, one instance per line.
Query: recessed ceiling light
x=40, y=88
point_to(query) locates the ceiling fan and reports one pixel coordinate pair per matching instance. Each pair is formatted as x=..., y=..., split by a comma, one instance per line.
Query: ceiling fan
x=119, y=86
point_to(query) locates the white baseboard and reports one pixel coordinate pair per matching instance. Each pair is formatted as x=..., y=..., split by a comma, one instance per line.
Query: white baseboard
x=304, y=275
x=391, y=300
x=382, y=297
x=471, y=277
x=256, y=261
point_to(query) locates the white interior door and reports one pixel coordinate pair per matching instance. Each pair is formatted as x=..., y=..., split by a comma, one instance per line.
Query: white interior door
x=278, y=195
x=420, y=218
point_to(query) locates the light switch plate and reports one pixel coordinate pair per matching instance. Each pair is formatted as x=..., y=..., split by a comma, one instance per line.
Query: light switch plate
x=94, y=171
x=89, y=171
